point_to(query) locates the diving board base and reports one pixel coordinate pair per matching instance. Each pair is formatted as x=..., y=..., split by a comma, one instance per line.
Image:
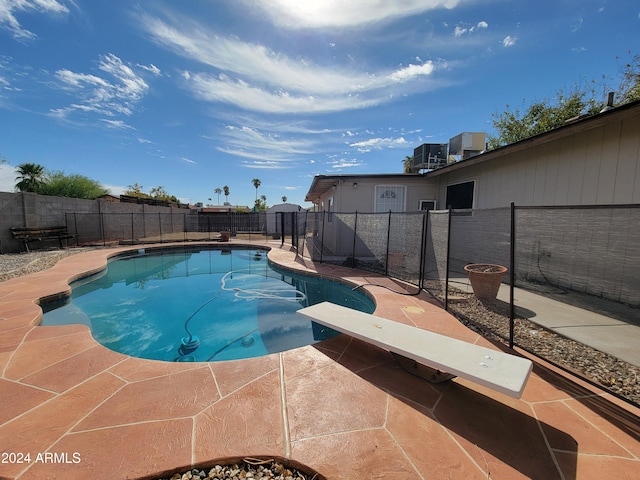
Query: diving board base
x=431, y=375
x=500, y=371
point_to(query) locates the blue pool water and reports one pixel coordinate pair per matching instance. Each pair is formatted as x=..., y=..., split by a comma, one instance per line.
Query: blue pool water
x=199, y=305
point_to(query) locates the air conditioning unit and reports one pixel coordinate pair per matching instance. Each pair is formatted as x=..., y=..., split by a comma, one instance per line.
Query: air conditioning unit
x=468, y=144
x=430, y=155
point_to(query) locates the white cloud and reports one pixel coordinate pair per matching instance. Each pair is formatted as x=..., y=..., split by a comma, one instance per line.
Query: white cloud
x=8, y=176
x=345, y=163
x=96, y=94
x=119, y=124
x=150, y=68
x=188, y=160
x=262, y=149
x=264, y=164
x=300, y=14
x=379, y=143
x=412, y=71
x=256, y=98
x=9, y=9
x=254, y=77
x=509, y=41
x=116, y=190
x=461, y=30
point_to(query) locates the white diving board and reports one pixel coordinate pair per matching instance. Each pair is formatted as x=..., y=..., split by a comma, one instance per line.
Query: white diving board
x=497, y=370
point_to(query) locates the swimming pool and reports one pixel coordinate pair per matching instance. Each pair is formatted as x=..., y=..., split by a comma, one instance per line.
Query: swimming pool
x=199, y=304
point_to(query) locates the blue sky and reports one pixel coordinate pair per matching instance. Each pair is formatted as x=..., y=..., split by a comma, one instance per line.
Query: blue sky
x=198, y=94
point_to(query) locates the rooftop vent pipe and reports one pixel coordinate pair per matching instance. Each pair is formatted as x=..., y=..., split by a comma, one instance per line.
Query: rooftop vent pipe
x=609, y=104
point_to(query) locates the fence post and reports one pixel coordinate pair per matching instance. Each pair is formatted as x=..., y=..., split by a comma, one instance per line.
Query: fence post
x=353, y=250
x=322, y=238
x=282, y=228
x=446, y=281
x=304, y=232
x=160, y=225
x=386, y=260
x=132, y=223
x=423, y=250
x=512, y=276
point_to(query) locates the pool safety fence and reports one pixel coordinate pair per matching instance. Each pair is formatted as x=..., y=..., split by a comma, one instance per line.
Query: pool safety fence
x=583, y=257
x=139, y=228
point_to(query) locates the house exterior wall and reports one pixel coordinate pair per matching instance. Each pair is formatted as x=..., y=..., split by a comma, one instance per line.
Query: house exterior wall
x=599, y=166
x=344, y=198
x=273, y=219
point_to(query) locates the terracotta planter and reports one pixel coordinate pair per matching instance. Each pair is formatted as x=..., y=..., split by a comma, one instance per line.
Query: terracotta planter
x=485, y=279
x=225, y=236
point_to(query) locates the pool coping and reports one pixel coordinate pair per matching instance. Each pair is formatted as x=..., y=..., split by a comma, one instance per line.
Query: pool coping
x=373, y=418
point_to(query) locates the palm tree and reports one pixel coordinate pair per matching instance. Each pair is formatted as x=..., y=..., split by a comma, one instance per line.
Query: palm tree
x=407, y=163
x=225, y=189
x=31, y=177
x=256, y=183
x=218, y=191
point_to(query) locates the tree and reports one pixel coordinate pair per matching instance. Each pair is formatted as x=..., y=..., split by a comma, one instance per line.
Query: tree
x=31, y=177
x=629, y=90
x=256, y=183
x=225, y=189
x=218, y=191
x=541, y=116
x=160, y=193
x=73, y=186
x=284, y=199
x=547, y=114
x=407, y=164
x=135, y=190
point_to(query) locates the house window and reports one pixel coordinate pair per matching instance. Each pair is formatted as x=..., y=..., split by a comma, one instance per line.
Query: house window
x=427, y=205
x=390, y=198
x=460, y=195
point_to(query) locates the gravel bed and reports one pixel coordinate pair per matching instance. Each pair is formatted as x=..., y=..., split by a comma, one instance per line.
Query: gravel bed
x=249, y=468
x=16, y=264
x=491, y=320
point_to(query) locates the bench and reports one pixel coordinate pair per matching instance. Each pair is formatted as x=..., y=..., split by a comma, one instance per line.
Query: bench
x=447, y=356
x=39, y=234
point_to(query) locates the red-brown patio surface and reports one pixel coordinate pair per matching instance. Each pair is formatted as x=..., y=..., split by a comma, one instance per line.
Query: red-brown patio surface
x=340, y=407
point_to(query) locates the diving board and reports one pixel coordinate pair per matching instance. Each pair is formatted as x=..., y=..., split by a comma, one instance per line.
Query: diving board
x=497, y=370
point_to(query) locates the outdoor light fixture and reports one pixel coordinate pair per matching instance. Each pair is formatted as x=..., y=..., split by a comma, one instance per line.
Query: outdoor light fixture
x=355, y=184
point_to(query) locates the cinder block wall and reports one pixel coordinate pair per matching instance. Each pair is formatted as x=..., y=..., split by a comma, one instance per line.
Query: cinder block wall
x=32, y=210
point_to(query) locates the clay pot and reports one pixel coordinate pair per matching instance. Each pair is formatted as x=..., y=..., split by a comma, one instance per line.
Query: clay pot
x=485, y=279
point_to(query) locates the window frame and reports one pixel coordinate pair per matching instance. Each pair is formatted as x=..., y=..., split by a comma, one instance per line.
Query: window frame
x=388, y=187
x=421, y=204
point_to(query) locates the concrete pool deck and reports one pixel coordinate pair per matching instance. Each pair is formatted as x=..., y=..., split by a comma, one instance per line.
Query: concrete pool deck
x=341, y=407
